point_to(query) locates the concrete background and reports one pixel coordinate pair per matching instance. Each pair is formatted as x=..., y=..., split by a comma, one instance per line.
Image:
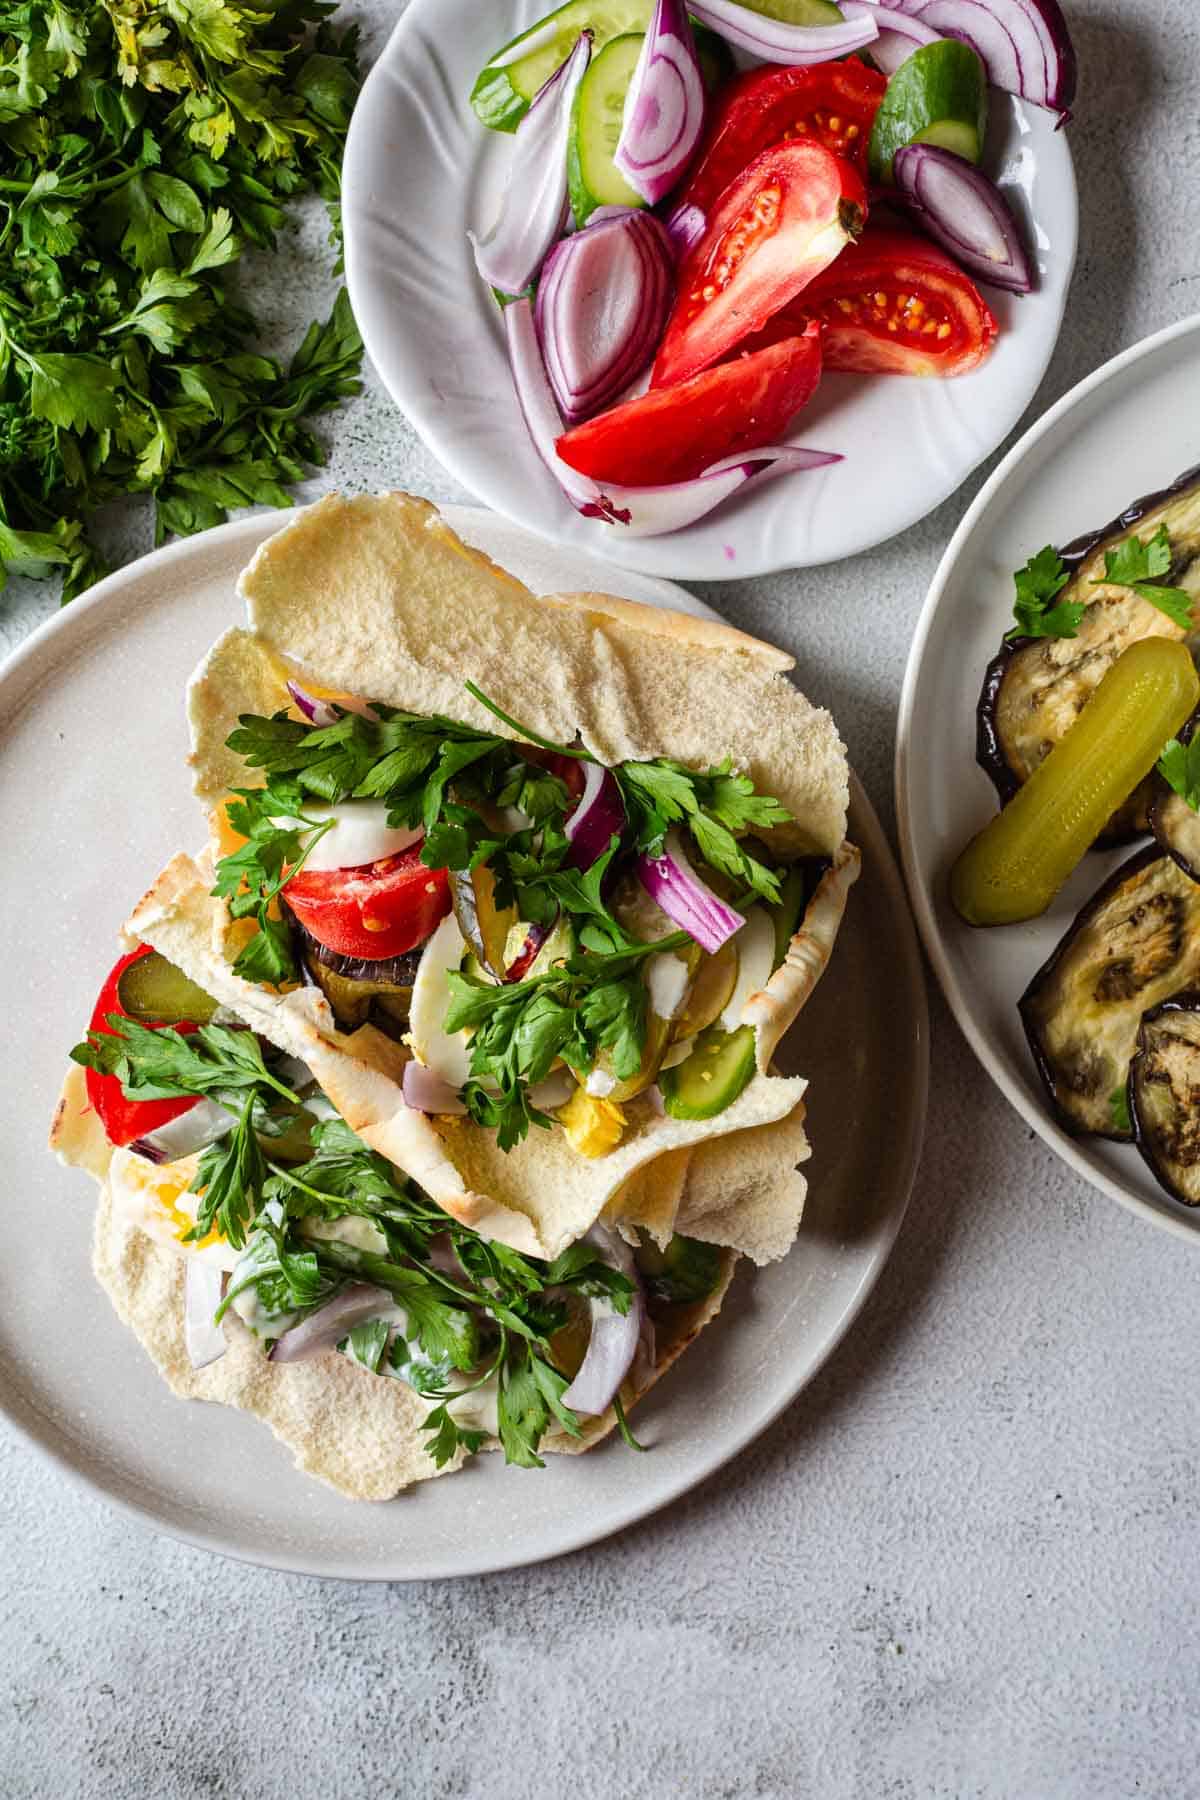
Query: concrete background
x=964, y=1564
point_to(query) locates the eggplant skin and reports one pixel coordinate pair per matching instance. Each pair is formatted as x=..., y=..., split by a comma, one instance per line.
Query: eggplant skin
x=1034, y=688
x=1135, y=944
x=1164, y=1095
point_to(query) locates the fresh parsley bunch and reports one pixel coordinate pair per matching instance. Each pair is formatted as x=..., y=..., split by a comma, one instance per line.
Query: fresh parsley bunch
x=141, y=147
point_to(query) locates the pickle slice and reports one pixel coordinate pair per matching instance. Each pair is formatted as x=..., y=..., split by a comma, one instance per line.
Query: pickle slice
x=712, y=1077
x=1017, y=863
x=153, y=991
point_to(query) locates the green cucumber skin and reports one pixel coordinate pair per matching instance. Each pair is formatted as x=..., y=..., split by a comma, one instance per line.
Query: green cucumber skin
x=500, y=105
x=736, y=1062
x=942, y=81
x=797, y=12
x=589, y=163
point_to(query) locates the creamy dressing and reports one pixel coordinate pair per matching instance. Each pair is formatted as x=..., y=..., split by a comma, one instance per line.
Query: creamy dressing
x=756, y=957
x=668, y=980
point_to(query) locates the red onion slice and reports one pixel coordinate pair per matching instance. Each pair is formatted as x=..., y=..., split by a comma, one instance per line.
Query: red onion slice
x=204, y=1341
x=598, y=817
x=685, y=898
x=202, y=1124
x=535, y=207
x=324, y=1329
x=639, y=511
x=685, y=227
x=317, y=712
x=774, y=41
x=602, y=303
x=900, y=33
x=664, y=106
x=966, y=212
x=613, y=1343
x=973, y=22
x=426, y=1091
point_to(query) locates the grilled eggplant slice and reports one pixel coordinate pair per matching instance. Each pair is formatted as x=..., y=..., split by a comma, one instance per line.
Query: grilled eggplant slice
x=1174, y=823
x=1135, y=943
x=1035, y=688
x=356, y=989
x=1164, y=1095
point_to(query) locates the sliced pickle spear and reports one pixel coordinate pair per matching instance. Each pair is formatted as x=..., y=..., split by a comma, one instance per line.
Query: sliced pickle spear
x=153, y=990
x=1017, y=863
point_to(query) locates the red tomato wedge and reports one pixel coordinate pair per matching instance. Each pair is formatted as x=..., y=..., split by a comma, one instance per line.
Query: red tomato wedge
x=381, y=909
x=125, y=1120
x=673, y=434
x=894, y=304
x=833, y=104
x=773, y=230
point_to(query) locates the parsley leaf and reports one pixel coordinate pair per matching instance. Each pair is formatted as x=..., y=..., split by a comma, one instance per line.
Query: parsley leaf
x=449, y=1437
x=1179, y=766
x=1137, y=564
x=1037, y=583
x=142, y=150
x=1118, y=1106
x=161, y=1063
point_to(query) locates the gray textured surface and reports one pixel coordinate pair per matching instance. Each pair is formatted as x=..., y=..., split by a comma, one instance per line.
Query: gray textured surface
x=963, y=1565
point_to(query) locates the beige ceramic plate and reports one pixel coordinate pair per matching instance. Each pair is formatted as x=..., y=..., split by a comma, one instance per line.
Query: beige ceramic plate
x=93, y=798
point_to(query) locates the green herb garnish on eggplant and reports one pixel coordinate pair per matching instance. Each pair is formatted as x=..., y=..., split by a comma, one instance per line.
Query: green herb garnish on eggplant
x=1037, y=685
x=1135, y=944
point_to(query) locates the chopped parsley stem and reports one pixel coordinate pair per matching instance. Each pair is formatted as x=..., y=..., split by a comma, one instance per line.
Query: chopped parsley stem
x=527, y=732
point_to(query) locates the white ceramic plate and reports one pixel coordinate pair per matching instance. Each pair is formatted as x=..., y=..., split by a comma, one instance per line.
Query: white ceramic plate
x=1126, y=431
x=420, y=169
x=94, y=797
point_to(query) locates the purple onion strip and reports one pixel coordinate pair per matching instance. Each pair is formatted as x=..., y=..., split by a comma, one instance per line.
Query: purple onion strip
x=324, y=1329
x=602, y=303
x=614, y=1339
x=598, y=818
x=775, y=41
x=664, y=106
x=687, y=900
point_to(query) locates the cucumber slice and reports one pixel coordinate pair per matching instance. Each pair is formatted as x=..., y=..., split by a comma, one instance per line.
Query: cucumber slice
x=593, y=178
x=797, y=12
x=793, y=892
x=153, y=991
x=505, y=87
x=938, y=96
x=712, y=1077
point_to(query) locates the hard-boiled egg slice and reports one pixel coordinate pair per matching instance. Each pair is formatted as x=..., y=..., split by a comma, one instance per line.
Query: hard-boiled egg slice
x=155, y=1198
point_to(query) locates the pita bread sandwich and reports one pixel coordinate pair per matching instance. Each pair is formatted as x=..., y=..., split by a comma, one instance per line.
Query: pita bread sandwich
x=433, y=1102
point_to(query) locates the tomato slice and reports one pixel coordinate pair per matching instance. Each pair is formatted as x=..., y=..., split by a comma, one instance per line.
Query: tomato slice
x=831, y=103
x=674, y=433
x=776, y=227
x=895, y=304
x=124, y=1120
x=378, y=910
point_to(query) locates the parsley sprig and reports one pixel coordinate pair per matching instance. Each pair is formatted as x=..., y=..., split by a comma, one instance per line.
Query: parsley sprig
x=216, y=1063
x=1179, y=766
x=142, y=148
x=450, y=778
x=1136, y=564
x=1132, y=563
x=492, y=1312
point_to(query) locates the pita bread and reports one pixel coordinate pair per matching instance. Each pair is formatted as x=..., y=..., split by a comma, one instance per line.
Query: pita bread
x=376, y=597
x=359, y=1433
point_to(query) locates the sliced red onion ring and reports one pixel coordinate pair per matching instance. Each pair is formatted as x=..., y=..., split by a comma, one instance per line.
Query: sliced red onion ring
x=966, y=212
x=671, y=880
x=428, y=1092
x=201, y=1125
x=535, y=205
x=900, y=33
x=598, y=817
x=202, y=1287
x=1023, y=44
x=613, y=1343
x=324, y=1329
x=974, y=22
x=775, y=41
x=602, y=303
x=639, y=511
x=317, y=712
x=664, y=106
x=685, y=227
